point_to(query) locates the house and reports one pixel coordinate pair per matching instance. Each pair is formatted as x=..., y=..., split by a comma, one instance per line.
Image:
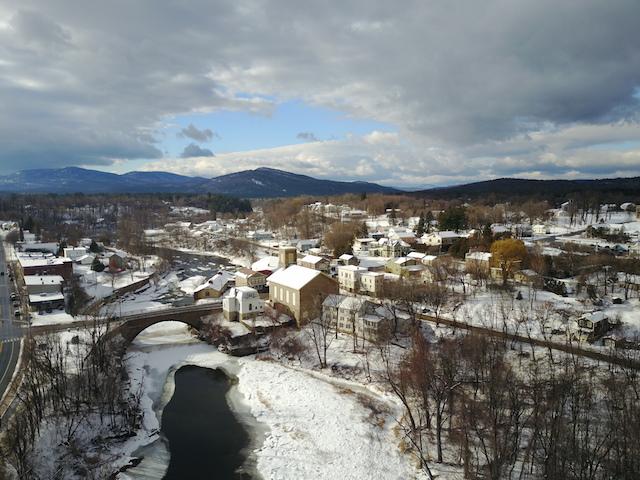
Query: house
x=400, y=233
x=246, y=277
x=300, y=290
x=628, y=207
x=315, y=262
x=242, y=303
x=349, y=277
x=347, y=259
x=74, y=252
x=540, y=229
x=305, y=245
x=116, y=263
x=362, y=245
x=440, y=240
x=45, y=291
x=390, y=248
x=399, y=265
x=593, y=326
x=215, y=286
x=355, y=316
x=371, y=283
x=528, y=277
x=477, y=260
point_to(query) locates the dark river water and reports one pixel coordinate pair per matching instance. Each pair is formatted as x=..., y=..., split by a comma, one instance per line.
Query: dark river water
x=202, y=439
x=206, y=441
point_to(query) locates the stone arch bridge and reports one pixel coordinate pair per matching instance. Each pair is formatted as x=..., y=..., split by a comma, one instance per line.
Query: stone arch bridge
x=130, y=325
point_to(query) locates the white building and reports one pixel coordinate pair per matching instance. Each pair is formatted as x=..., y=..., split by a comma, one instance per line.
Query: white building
x=355, y=315
x=349, y=277
x=74, y=253
x=242, y=303
x=371, y=283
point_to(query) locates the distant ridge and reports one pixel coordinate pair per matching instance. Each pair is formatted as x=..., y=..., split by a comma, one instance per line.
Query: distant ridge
x=261, y=182
x=502, y=189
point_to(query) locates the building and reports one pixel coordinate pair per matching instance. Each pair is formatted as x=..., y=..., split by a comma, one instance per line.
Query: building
x=215, y=286
x=440, y=240
x=44, y=264
x=242, y=303
x=349, y=277
x=116, y=263
x=477, y=260
x=45, y=291
x=246, y=277
x=266, y=265
x=287, y=256
x=362, y=245
x=353, y=315
x=315, y=262
x=593, y=326
x=399, y=266
x=347, y=259
x=74, y=253
x=371, y=283
x=300, y=291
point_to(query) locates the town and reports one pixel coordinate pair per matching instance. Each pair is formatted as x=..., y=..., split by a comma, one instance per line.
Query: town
x=338, y=287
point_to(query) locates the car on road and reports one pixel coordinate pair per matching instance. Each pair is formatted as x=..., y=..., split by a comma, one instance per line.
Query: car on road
x=1, y=274
x=13, y=296
x=17, y=313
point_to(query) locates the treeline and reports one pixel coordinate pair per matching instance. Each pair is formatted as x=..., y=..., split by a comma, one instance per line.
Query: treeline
x=514, y=190
x=505, y=414
x=75, y=396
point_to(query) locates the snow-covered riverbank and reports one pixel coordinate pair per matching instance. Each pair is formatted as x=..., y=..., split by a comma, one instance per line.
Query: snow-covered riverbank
x=303, y=425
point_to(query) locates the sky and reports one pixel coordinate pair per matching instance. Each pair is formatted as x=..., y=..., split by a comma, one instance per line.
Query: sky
x=409, y=94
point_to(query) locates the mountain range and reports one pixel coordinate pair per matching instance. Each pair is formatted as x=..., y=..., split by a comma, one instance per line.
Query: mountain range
x=259, y=183
x=269, y=182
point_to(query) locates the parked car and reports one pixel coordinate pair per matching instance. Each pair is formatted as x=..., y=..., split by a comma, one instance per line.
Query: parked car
x=13, y=296
x=17, y=313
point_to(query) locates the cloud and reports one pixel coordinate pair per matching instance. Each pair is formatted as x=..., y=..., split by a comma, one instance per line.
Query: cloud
x=307, y=137
x=198, y=135
x=475, y=90
x=193, y=150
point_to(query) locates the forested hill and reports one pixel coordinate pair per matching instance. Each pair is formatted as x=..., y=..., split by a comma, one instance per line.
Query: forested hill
x=505, y=189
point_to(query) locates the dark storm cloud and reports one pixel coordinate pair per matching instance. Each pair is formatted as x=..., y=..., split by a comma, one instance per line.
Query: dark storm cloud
x=204, y=135
x=193, y=150
x=96, y=82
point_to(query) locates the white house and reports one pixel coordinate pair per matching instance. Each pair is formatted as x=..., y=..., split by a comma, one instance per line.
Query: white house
x=440, y=239
x=242, y=303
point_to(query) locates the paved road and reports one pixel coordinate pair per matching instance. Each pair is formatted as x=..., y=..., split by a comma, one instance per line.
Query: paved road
x=9, y=331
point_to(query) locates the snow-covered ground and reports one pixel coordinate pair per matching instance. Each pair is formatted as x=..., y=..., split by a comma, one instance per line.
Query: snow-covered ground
x=310, y=425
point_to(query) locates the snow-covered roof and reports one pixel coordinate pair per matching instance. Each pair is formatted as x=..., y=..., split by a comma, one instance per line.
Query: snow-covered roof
x=478, y=256
x=354, y=268
x=595, y=317
x=416, y=255
x=41, y=260
x=217, y=282
x=345, y=256
x=266, y=263
x=246, y=272
x=294, y=276
x=313, y=259
x=32, y=280
x=45, y=297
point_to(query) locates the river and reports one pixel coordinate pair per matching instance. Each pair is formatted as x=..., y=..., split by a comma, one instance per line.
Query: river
x=201, y=437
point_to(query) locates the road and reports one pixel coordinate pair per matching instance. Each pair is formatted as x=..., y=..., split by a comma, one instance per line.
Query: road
x=9, y=331
x=563, y=347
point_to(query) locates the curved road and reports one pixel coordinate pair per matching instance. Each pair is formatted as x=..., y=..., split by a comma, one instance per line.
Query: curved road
x=10, y=332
